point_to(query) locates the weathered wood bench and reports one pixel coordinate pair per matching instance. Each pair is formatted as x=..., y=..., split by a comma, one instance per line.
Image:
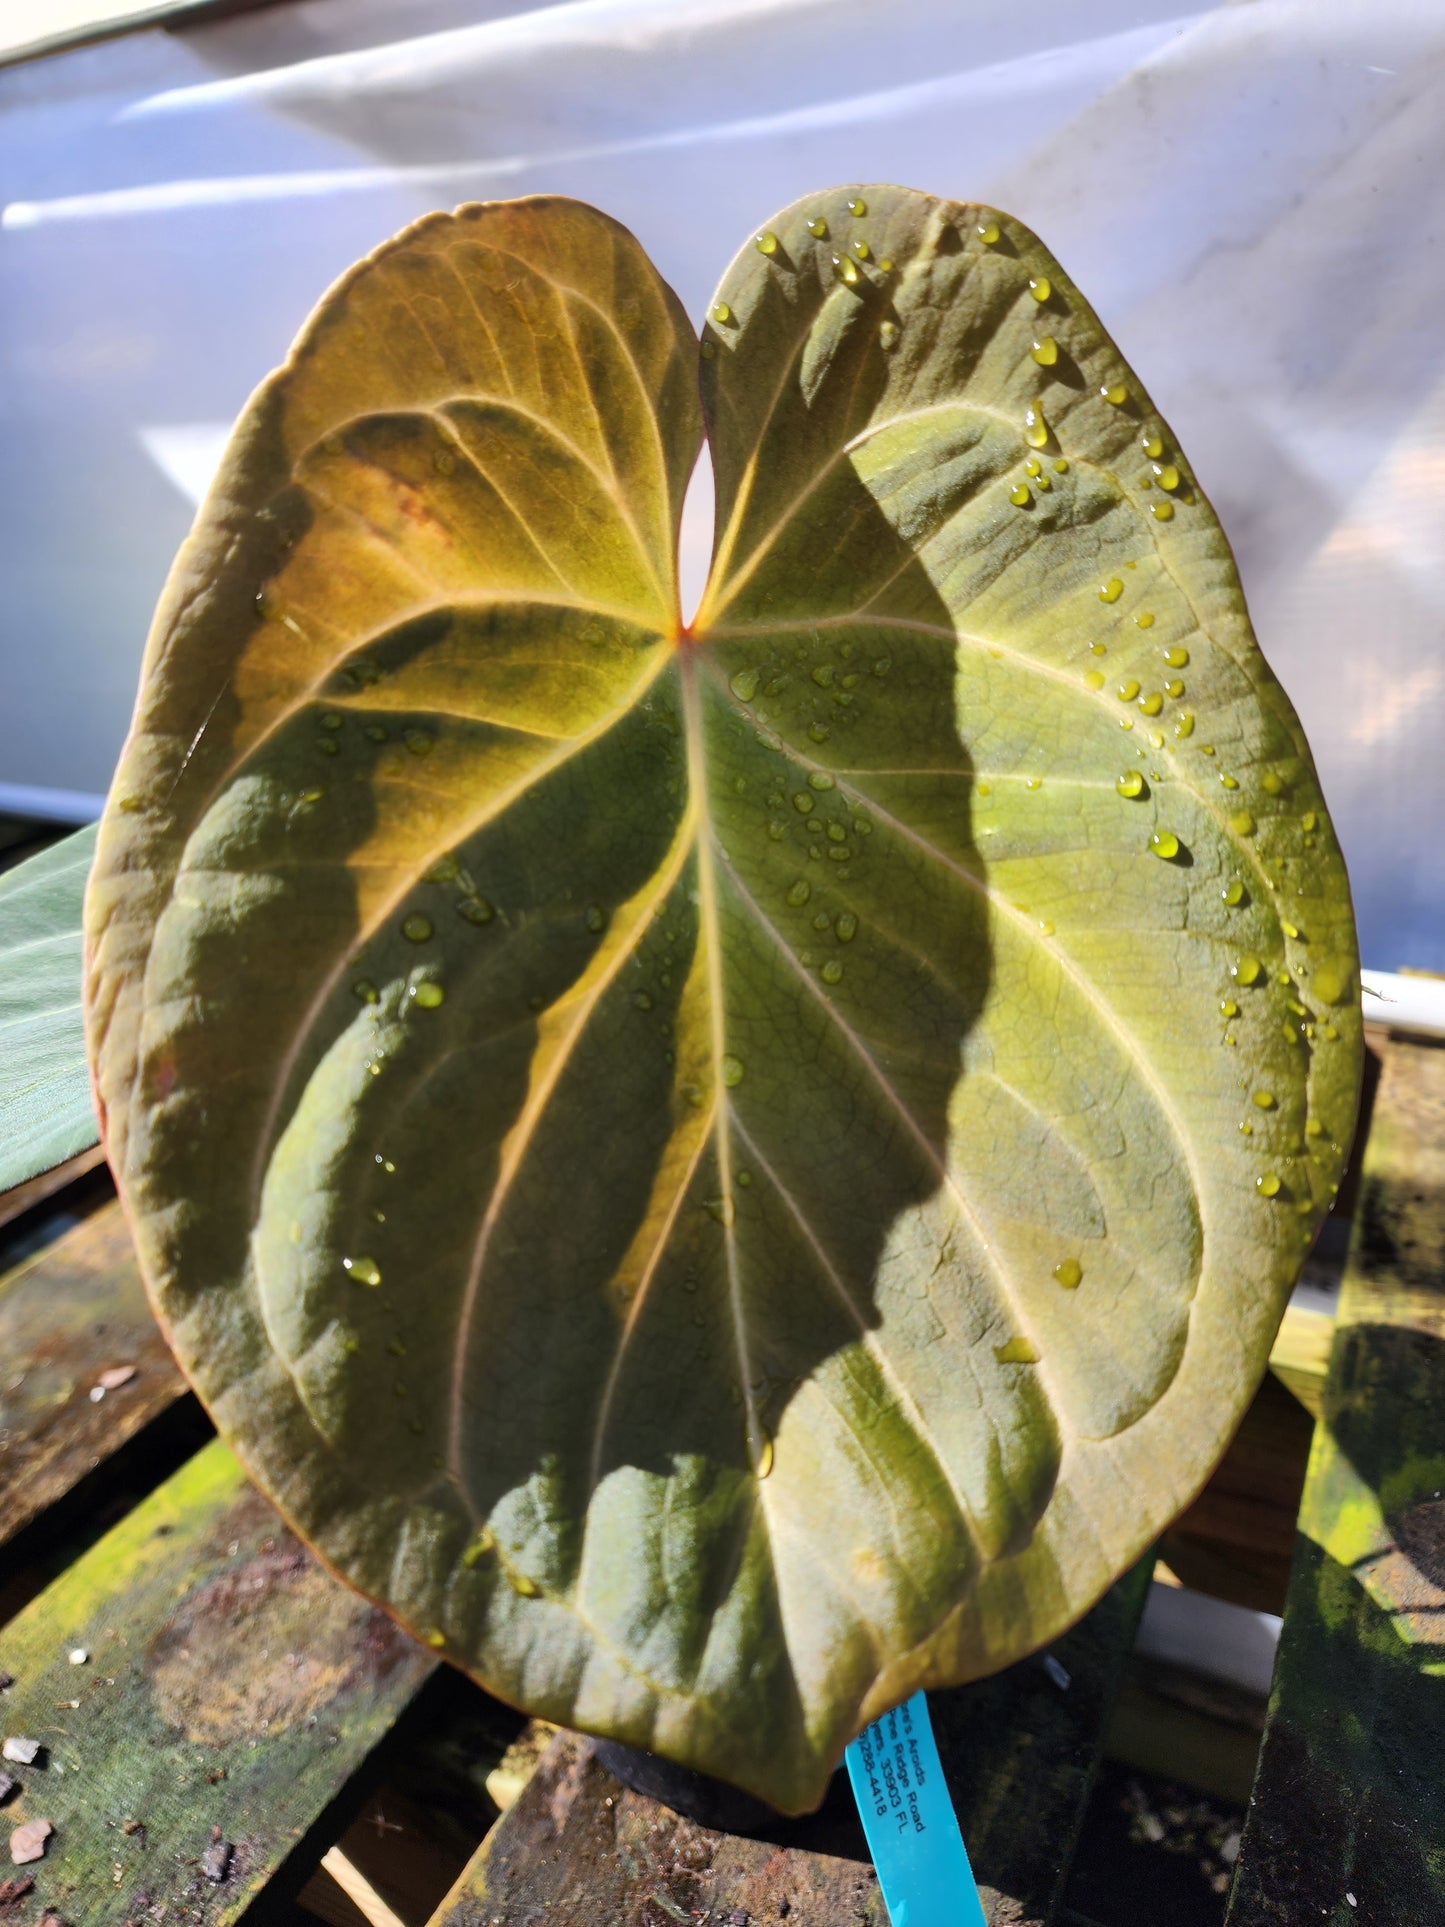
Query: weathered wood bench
x=224, y=1731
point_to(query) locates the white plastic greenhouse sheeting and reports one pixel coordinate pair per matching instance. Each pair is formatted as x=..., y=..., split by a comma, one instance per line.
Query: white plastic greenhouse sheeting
x=1251, y=194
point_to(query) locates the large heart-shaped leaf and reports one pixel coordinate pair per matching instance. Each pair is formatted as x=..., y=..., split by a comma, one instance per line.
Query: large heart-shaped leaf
x=724, y=1174
x=46, y=1113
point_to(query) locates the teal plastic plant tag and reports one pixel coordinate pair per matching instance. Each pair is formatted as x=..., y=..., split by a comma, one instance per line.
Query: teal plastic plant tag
x=912, y=1829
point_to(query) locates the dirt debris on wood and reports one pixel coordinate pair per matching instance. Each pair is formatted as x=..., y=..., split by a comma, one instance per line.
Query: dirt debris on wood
x=216, y=1860
x=29, y=1840
x=111, y=1380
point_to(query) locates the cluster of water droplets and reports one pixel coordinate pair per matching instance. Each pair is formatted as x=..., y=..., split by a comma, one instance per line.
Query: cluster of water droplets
x=850, y=258
x=835, y=828
x=1299, y=1023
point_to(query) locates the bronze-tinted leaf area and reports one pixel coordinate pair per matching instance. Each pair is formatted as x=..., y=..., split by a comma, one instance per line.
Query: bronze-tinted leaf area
x=701, y=1164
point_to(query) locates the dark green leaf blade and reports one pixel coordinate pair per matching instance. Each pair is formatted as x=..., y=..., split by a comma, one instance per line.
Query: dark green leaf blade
x=695, y=1166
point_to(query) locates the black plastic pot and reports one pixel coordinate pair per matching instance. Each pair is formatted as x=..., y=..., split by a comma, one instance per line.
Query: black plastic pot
x=712, y=1803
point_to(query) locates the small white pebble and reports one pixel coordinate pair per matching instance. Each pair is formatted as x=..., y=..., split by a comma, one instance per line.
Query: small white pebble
x=97, y=1393
x=79, y=1656
x=1351, y=1898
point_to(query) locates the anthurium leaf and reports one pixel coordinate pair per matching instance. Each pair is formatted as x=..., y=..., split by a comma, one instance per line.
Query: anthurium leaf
x=724, y=1173
x=46, y=1112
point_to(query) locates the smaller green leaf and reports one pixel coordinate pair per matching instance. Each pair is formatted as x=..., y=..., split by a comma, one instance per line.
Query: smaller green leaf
x=46, y=1111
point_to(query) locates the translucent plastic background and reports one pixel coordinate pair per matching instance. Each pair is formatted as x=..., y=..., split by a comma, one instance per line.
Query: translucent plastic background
x=1251, y=195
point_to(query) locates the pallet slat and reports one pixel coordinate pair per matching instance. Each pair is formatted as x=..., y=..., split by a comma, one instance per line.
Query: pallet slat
x=1019, y=1750
x=231, y=1683
x=75, y=1310
x=1347, y=1821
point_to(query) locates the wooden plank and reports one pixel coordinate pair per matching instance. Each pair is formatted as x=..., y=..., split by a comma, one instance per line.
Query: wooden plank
x=1347, y=1818
x=425, y=1802
x=230, y=1690
x=1300, y=1355
x=1237, y=1539
x=1020, y=1752
x=73, y=1312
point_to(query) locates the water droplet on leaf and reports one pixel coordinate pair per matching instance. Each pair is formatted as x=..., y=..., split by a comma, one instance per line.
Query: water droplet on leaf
x=1333, y=983
x=1018, y=1351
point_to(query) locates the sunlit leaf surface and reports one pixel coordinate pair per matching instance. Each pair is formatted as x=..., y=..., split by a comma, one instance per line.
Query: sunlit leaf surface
x=723, y=1174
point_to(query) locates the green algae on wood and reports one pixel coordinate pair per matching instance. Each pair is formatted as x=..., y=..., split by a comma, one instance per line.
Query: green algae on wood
x=1346, y=1821
x=231, y=1683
